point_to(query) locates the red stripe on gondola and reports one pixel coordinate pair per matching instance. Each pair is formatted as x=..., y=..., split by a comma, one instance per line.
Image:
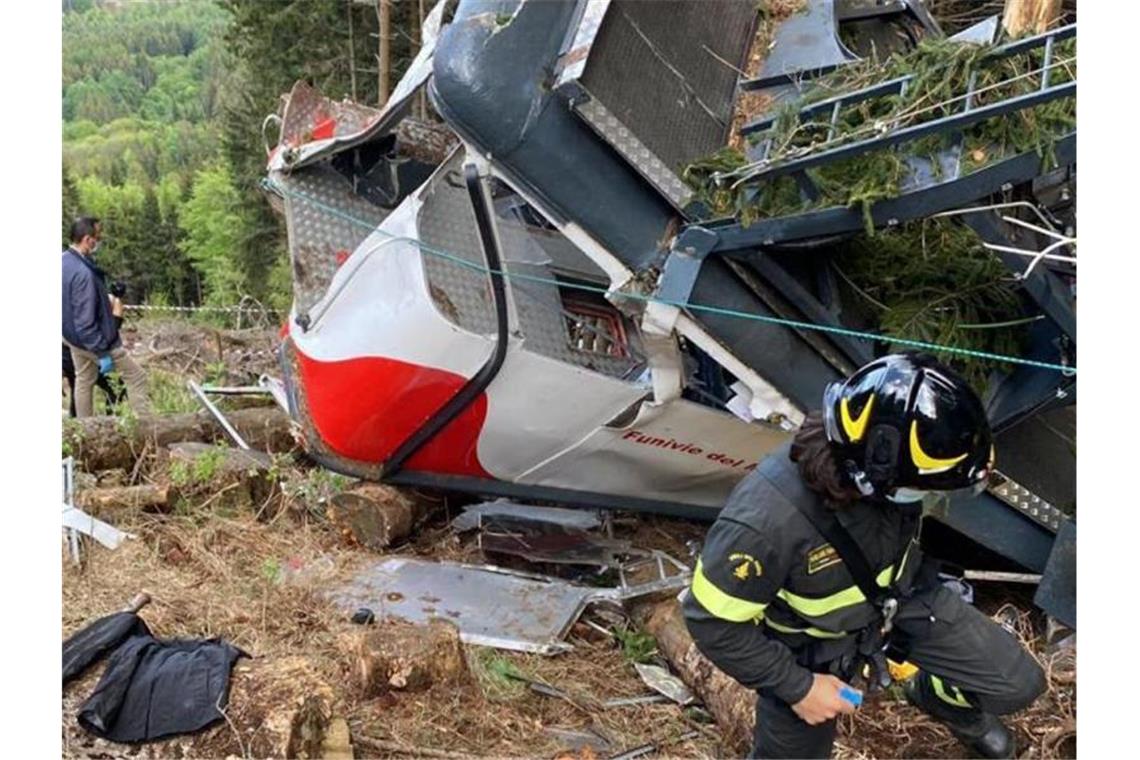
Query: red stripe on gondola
x=364, y=408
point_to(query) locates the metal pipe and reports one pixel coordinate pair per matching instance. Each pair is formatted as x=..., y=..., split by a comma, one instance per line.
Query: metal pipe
x=479, y=382
x=217, y=414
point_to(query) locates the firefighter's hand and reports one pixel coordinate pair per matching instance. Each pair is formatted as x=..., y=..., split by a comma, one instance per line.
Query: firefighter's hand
x=823, y=702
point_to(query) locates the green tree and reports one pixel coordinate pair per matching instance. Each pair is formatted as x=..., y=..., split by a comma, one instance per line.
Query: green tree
x=70, y=204
x=214, y=224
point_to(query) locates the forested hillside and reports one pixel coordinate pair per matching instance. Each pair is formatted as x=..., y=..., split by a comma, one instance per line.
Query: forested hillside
x=163, y=102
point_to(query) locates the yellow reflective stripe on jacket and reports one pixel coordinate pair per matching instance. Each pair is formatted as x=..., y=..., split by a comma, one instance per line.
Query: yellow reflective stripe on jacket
x=940, y=690
x=837, y=601
x=810, y=630
x=722, y=605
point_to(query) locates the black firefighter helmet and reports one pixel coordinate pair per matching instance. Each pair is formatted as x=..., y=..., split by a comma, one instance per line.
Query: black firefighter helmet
x=905, y=424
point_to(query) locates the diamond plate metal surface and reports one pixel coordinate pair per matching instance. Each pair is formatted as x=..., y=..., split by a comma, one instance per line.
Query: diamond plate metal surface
x=574, y=61
x=447, y=225
x=1028, y=503
x=669, y=80
x=462, y=293
x=647, y=164
x=300, y=113
x=325, y=223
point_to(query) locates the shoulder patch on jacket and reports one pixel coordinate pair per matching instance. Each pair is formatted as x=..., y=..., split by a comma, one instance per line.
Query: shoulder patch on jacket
x=746, y=565
x=821, y=558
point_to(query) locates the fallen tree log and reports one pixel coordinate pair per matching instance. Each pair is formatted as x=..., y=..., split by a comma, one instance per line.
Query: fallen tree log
x=227, y=477
x=732, y=705
x=104, y=443
x=375, y=516
x=101, y=501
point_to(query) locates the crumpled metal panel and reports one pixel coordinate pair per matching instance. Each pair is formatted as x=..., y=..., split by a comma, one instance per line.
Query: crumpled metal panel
x=363, y=124
x=325, y=223
x=496, y=607
x=491, y=607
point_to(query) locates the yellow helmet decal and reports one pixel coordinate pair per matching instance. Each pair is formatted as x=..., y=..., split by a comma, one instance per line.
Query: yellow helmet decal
x=855, y=428
x=926, y=464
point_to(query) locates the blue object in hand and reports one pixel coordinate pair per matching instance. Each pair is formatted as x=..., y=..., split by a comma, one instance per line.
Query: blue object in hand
x=105, y=364
x=851, y=695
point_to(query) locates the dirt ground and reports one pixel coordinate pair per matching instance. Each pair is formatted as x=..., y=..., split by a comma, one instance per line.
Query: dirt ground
x=261, y=585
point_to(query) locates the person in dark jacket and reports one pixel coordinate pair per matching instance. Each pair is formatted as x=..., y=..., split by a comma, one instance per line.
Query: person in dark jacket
x=781, y=608
x=89, y=326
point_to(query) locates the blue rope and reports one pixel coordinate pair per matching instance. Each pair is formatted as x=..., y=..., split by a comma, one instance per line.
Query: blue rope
x=857, y=334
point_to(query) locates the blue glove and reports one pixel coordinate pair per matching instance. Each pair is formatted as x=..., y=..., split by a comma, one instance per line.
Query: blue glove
x=851, y=695
x=105, y=364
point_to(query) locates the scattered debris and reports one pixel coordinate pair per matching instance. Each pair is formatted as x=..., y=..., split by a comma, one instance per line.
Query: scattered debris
x=79, y=521
x=578, y=740
x=363, y=616
x=665, y=683
x=487, y=513
x=732, y=704
x=493, y=606
x=555, y=546
x=287, y=705
x=646, y=749
x=216, y=413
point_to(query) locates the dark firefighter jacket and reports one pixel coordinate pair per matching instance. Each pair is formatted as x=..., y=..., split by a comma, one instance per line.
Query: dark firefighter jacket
x=771, y=600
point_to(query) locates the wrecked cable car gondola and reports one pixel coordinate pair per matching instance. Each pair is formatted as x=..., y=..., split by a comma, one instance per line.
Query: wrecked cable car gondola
x=542, y=297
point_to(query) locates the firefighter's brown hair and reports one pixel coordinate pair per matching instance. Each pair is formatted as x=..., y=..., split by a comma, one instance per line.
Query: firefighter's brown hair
x=818, y=466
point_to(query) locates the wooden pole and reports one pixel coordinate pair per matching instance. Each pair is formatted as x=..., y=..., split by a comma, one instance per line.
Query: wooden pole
x=384, y=57
x=1023, y=17
x=351, y=51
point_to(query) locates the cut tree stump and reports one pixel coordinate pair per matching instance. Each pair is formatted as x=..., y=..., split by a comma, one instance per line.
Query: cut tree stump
x=279, y=707
x=375, y=516
x=229, y=478
x=398, y=655
x=1023, y=17
x=102, y=501
x=104, y=443
x=731, y=704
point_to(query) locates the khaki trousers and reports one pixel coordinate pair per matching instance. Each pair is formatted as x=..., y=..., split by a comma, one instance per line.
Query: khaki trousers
x=87, y=372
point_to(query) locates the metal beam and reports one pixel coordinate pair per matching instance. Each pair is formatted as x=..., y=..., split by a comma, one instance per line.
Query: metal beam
x=943, y=196
x=918, y=131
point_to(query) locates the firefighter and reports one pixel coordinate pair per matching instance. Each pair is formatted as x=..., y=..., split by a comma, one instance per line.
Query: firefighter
x=812, y=574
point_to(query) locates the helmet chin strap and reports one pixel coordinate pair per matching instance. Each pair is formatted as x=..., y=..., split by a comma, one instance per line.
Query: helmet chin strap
x=859, y=478
x=906, y=496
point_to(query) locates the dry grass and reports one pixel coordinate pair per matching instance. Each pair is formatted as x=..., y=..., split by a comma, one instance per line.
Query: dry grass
x=258, y=584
